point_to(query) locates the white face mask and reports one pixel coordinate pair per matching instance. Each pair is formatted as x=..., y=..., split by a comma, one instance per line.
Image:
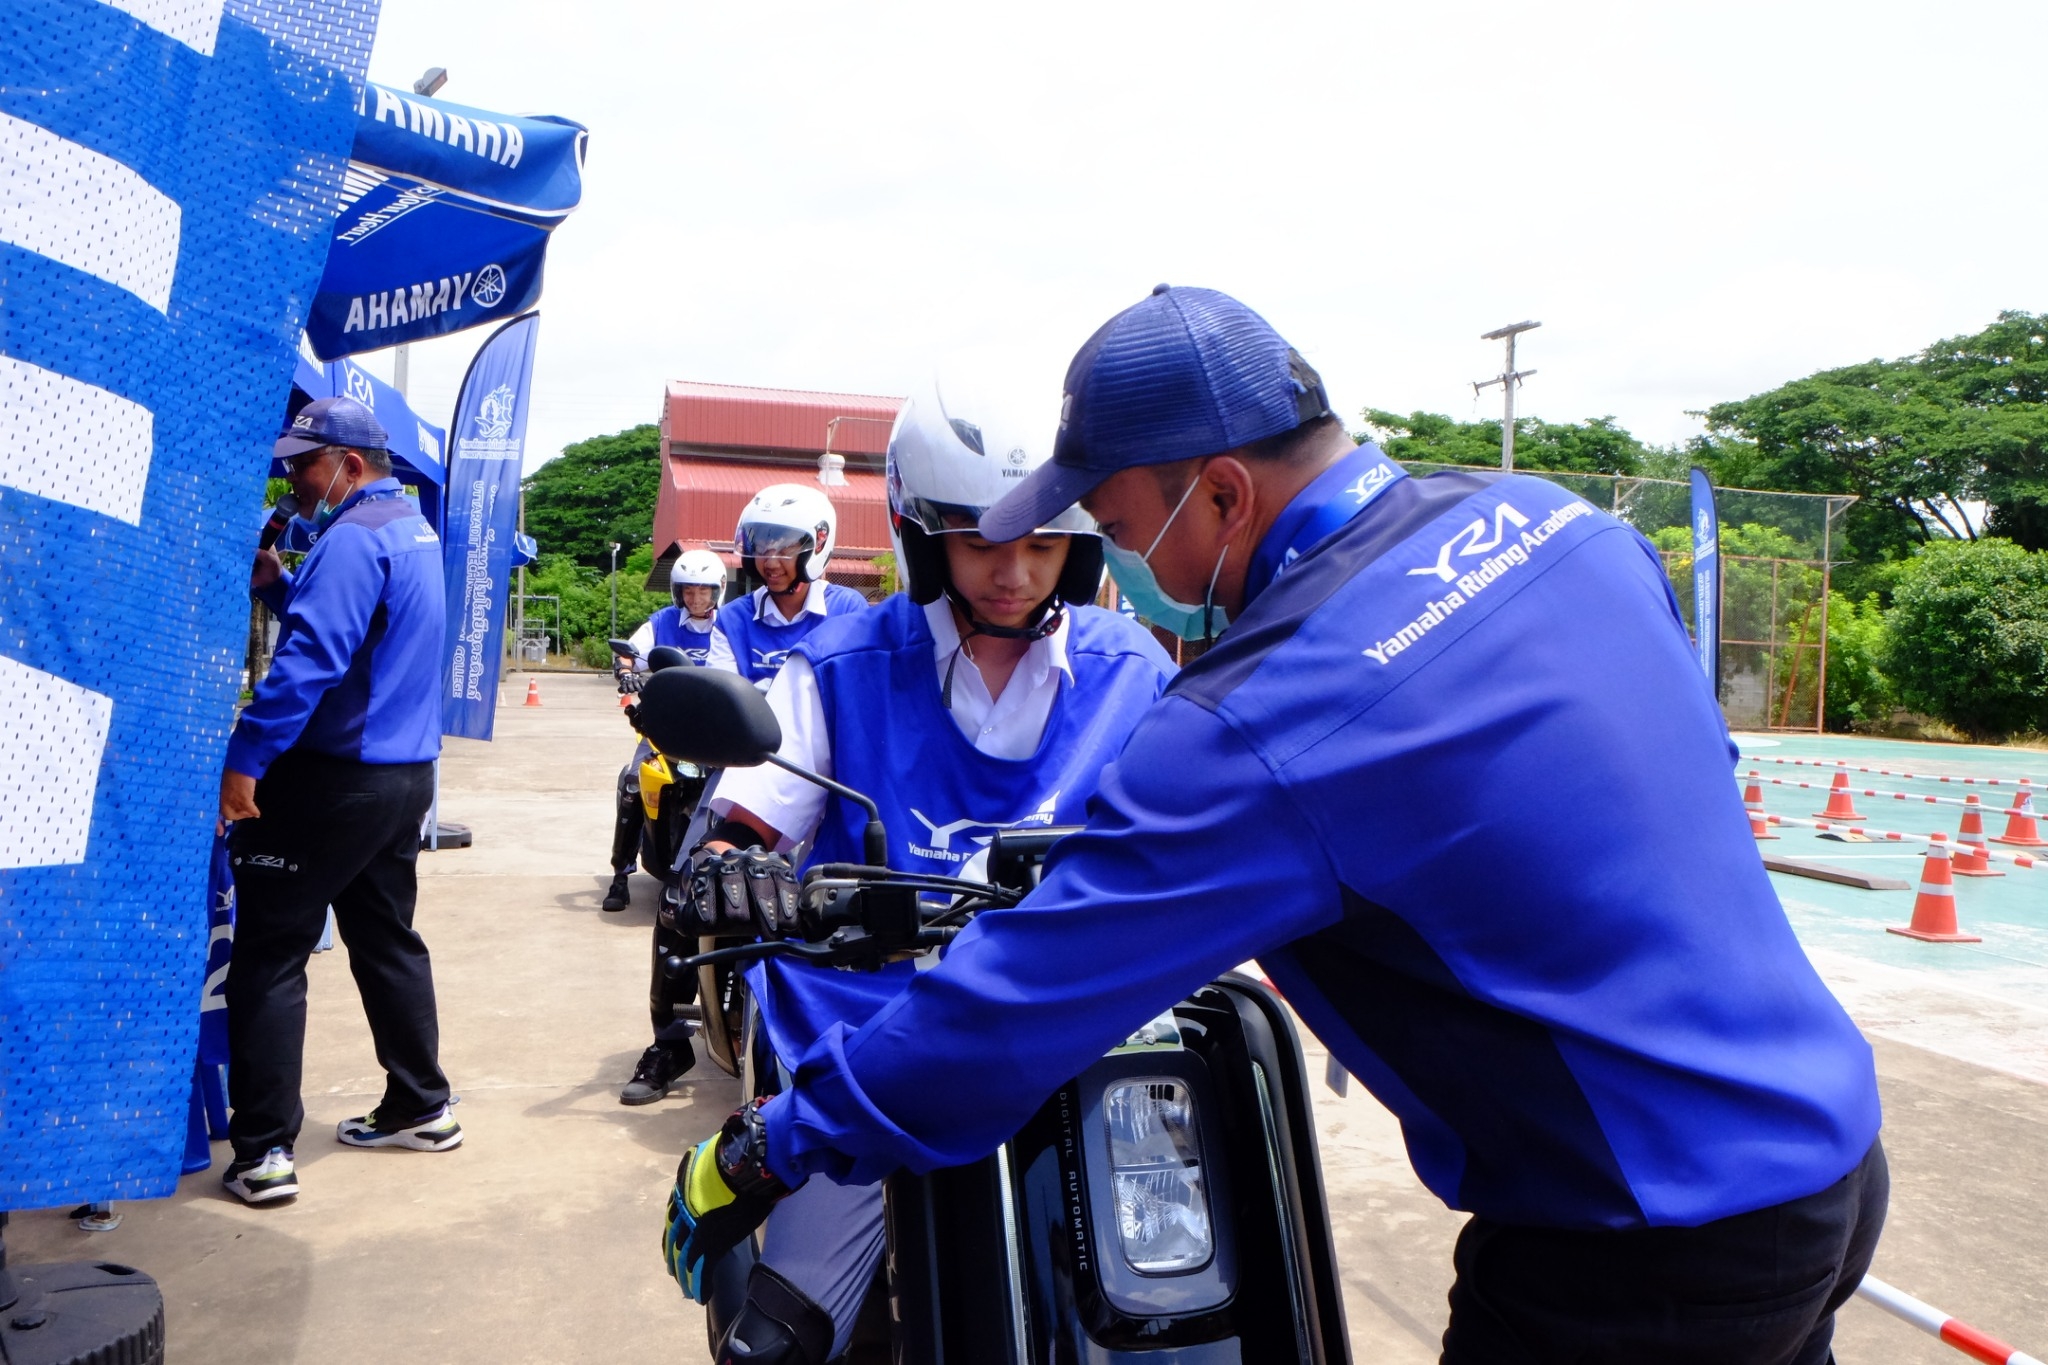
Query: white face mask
x=1134, y=576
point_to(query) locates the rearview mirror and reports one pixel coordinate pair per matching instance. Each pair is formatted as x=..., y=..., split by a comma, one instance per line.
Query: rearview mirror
x=623, y=649
x=666, y=656
x=707, y=716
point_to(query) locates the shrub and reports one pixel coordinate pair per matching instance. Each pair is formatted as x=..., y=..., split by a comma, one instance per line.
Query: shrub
x=1858, y=690
x=1967, y=636
x=593, y=652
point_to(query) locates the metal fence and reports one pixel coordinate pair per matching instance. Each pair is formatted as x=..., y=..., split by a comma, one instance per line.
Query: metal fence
x=1776, y=550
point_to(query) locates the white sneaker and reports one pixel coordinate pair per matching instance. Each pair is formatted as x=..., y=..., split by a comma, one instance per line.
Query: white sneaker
x=268, y=1177
x=435, y=1133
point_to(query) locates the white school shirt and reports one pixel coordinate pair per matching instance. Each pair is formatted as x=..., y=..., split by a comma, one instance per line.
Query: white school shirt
x=1009, y=726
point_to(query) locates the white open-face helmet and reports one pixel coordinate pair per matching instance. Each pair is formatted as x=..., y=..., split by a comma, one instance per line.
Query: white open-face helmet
x=951, y=459
x=789, y=518
x=696, y=569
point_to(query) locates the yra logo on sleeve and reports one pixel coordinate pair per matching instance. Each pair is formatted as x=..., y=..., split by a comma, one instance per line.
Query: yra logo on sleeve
x=1499, y=542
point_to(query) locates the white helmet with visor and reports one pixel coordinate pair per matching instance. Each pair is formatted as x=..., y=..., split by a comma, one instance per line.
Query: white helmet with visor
x=696, y=569
x=788, y=519
x=949, y=461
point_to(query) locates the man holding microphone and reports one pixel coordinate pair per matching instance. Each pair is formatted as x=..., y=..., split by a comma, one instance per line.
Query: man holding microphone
x=328, y=774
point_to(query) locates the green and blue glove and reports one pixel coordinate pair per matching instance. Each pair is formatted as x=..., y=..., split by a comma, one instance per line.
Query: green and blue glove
x=723, y=1191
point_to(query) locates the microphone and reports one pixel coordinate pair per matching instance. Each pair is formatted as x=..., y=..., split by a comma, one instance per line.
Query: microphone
x=280, y=517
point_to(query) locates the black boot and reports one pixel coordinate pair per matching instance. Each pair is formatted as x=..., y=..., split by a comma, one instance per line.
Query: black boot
x=659, y=1068
x=619, y=897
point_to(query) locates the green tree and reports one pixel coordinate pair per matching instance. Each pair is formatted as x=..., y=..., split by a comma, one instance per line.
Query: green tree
x=1595, y=446
x=1965, y=420
x=596, y=492
x=1967, y=636
x=586, y=596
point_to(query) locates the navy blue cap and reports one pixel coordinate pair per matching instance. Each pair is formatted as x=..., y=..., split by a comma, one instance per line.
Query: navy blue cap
x=337, y=421
x=1178, y=375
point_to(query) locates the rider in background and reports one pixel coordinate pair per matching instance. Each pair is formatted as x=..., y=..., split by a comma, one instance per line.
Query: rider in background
x=696, y=582
x=987, y=695
x=785, y=536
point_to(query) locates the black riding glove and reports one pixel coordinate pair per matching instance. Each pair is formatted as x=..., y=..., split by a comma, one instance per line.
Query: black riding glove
x=742, y=893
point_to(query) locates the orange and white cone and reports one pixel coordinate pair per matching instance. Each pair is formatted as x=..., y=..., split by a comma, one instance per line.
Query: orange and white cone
x=2020, y=829
x=1753, y=802
x=1841, y=806
x=1972, y=858
x=1934, y=909
x=533, y=692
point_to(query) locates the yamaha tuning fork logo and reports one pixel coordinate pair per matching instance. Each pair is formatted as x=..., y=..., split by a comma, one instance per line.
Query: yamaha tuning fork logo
x=489, y=287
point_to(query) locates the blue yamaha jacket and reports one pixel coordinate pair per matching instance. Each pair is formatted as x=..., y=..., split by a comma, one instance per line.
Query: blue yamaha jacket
x=1455, y=780
x=357, y=670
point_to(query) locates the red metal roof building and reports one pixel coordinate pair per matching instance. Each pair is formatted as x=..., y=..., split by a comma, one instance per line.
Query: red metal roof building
x=722, y=443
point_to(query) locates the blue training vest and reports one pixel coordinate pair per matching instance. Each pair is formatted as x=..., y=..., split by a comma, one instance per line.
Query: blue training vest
x=759, y=647
x=941, y=798
x=671, y=629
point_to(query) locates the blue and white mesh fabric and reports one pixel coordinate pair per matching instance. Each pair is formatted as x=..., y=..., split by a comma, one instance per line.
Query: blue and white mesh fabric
x=170, y=171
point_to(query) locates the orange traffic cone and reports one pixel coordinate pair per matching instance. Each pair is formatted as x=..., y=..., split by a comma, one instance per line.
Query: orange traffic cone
x=1934, y=909
x=1840, y=805
x=2020, y=829
x=1972, y=858
x=1753, y=802
x=533, y=691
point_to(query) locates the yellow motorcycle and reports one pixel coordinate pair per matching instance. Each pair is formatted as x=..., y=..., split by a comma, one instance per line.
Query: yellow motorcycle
x=670, y=789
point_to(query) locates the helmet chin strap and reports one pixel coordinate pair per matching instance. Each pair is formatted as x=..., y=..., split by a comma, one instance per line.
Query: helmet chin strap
x=1049, y=616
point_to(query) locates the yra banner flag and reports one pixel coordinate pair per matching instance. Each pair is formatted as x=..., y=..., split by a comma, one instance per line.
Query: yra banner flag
x=172, y=175
x=446, y=220
x=485, y=451
x=1706, y=578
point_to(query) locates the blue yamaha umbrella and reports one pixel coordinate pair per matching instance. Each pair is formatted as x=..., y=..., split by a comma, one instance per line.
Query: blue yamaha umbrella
x=445, y=220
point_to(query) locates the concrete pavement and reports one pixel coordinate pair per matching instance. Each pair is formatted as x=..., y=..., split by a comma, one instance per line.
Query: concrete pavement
x=537, y=1239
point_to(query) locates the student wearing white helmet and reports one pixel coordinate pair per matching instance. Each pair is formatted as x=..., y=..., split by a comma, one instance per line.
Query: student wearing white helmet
x=989, y=693
x=696, y=582
x=785, y=536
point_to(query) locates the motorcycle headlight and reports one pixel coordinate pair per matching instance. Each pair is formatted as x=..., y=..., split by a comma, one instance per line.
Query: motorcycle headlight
x=1157, y=1177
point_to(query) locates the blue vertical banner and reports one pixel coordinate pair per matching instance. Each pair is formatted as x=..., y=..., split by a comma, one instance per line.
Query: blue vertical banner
x=1706, y=578
x=173, y=176
x=487, y=445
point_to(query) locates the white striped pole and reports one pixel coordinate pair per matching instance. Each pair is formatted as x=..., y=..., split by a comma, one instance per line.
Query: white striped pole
x=1832, y=764
x=1894, y=836
x=1931, y=1320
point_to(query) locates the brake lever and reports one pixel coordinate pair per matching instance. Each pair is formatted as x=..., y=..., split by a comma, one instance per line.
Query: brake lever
x=748, y=952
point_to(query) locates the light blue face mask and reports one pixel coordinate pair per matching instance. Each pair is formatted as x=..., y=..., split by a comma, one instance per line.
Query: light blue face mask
x=323, y=511
x=1134, y=577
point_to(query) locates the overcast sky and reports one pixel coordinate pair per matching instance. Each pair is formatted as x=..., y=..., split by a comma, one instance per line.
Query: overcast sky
x=1698, y=201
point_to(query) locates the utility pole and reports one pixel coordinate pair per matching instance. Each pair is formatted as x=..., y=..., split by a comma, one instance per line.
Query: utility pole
x=1508, y=379
x=401, y=359
x=615, y=590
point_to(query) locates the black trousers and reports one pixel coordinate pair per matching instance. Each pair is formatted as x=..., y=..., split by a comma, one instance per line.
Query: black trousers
x=334, y=832
x=628, y=817
x=1756, y=1289
x=666, y=994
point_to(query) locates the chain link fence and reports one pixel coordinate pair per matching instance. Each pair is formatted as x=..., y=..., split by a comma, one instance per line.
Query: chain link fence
x=1775, y=578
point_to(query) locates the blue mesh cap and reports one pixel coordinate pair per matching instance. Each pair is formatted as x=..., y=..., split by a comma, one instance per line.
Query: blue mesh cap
x=337, y=421
x=1178, y=375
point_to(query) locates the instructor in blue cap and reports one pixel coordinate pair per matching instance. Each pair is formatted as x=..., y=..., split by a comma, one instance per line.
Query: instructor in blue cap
x=329, y=771
x=1450, y=773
